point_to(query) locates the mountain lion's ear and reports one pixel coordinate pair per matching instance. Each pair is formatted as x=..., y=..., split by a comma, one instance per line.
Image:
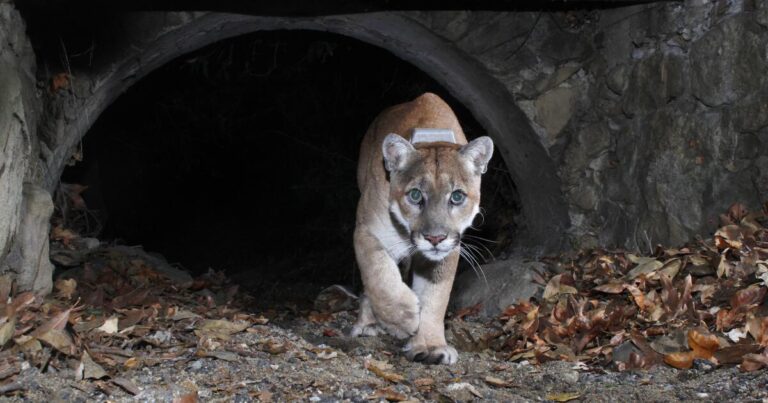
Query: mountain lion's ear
x=396, y=150
x=479, y=152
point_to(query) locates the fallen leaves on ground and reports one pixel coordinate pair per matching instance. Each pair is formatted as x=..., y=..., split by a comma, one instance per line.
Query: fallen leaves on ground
x=595, y=301
x=104, y=314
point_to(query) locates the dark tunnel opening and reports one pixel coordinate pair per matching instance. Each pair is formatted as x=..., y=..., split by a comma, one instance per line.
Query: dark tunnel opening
x=242, y=157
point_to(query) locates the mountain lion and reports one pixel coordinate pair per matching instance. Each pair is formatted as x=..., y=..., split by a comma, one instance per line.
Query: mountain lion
x=417, y=198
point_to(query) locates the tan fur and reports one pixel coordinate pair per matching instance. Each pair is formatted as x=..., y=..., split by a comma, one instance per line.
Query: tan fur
x=392, y=229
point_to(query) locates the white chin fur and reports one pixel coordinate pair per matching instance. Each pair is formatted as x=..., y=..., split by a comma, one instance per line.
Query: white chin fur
x=434, y=255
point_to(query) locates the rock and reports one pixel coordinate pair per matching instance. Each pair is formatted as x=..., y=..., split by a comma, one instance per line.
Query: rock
x=562, y=372
x=654, y=82
x=500, y=284
x=729, y=62
x=461, y=392
x=622, y=351
x=674, y=342
x=585, y=197
x=561, y=46
x=558, y=77
x=18, y=111
x=179, y=277
x=87, y=243
x=761, y=181
x=617, y=79
x=35, y=270
x=751, y=114
x=761, y=16
x=554, y=109
x=336, y=298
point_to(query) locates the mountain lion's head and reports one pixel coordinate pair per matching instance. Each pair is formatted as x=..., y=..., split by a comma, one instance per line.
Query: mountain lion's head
x=435, y=189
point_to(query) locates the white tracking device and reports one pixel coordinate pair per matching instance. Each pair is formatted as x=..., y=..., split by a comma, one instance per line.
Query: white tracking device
x=423, y=135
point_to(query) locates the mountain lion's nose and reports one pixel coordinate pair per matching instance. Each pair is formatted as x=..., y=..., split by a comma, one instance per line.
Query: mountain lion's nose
x=434, y=239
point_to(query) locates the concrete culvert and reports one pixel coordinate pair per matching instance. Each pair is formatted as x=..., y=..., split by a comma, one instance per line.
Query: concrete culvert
x=241, y=156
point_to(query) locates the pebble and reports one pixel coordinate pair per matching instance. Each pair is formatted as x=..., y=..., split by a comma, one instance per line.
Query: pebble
x=196, y=365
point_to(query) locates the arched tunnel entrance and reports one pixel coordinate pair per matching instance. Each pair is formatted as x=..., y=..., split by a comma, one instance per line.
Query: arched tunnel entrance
x=241, y=156
x=148, y=41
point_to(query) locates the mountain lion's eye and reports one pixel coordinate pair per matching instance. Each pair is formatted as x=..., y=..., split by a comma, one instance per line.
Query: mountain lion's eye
x=457, y=197
x=415, y=196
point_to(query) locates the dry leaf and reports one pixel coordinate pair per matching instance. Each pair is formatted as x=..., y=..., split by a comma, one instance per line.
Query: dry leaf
x=462, y=386
x=20, y=301
x=63, y=235
x=703, y=344
x=88, y=369
x=325, y=353
x=127, y=385
x=681, y=360
x=264, y=396
x=222, y=355
x=752, y=295
x=83, y=327
x=6, y=331
x=59, y=81
x=220, y=328
x=6, y=283
x=500, y=383
x=187, y=398
x=563, y=397
x=645, y=266
x=389, y=394
x=131, y=363
x=65, y=288
x=423, y=382
x=468, y=311
x=58, y=322
x=182, y=314
x=671, y=267
x=318, y=317
x=735, y=354
x=380, y=369
x=614, y=287
x=109, y=326
x=559, y=284
x=58, y=339
x=275, y=347
x=753, y=362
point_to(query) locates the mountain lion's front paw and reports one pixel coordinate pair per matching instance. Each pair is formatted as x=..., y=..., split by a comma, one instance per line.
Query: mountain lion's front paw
x=365, y=330
x=400, y=316
x=420, y=352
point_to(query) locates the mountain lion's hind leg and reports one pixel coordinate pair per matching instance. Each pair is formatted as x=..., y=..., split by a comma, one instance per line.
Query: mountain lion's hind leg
x=366, y=324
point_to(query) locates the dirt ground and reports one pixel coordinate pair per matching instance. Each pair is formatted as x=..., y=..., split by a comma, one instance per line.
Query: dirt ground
x=313, y=361
x=123, y=325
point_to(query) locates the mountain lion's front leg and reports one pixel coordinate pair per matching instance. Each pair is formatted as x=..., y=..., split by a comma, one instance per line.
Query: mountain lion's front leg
x=432, y=283
x=394, y=305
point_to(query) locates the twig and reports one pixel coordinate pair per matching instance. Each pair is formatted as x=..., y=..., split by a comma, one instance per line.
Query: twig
x=10, y=387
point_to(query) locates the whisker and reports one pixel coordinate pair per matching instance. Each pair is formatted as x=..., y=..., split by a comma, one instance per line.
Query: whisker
x=480, y=252
x=482, y=216
x=479, y=238
x=473, y=263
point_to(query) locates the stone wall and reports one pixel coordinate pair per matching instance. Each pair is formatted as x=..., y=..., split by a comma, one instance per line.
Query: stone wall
x=651, y=119
x=656, y=114
x=24, y=207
